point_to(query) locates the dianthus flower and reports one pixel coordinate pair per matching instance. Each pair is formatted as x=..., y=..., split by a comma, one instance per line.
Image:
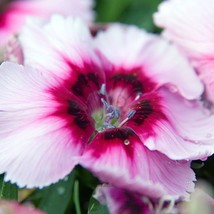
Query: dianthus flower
x=127, y=202
x=120, y=104
x=189, y=24
x=14, y=14
x=122, y=201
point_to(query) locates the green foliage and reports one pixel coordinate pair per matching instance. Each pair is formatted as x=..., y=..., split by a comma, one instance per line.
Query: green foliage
x=76, y=197
x=111, y=10
x=96, y=208
x=70, y=195
x=55, y=198
x=8, y=190
x=206, y=172
x=137, y=12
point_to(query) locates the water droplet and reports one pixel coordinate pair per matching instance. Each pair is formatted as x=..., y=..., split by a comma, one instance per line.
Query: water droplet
x=126, y=142
x=61, y=190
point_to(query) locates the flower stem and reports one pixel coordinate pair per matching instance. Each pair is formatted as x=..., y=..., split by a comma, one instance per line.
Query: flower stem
x=76, y=197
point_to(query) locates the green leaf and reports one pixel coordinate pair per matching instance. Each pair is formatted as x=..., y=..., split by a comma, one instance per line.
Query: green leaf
x=55, y=198
x=137, y=12
x=84, y=187
x=86, y=178
x=110, y=10
x=96, y=208
x=141, y=13
x=8, y=190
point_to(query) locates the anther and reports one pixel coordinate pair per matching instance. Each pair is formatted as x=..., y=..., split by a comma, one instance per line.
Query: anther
x=130, y=115
x=106, y=105
x=107, y=125
x=103, y=89
x=103, y=92
x=139, y=94
x=116, y=113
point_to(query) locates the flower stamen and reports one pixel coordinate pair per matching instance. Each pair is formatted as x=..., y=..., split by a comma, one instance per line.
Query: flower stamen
x=103, y=92
x=130, y=115
x=138, y=95
x=108, y=116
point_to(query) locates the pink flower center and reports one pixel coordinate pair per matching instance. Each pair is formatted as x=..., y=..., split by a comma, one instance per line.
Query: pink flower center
x=109, y=116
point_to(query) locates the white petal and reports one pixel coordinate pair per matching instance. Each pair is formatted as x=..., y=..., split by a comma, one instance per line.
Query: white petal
x=37, y=145
x=52, y=47
x=134, y=167
x=14, y=16
x=129, y=47
x=190, y=24
x=188, y=133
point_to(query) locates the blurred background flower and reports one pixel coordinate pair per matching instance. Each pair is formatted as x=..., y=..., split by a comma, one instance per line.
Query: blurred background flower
x=12, y=207
x=13, y=13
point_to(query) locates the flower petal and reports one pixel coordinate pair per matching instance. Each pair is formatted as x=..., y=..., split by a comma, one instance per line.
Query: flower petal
x=188, y=132
x=207, y=76
x=122, y=201
x=125, y=86
x=130, y=48
x=148, y=112
x=13, y=51
x=193, y=33
x=14, y=15
x=63, y=41
x=118, y=157
x=41, y=131
x=65, y=51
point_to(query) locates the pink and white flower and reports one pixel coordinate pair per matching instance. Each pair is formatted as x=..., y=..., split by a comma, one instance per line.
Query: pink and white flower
x=14, y=15
x=127, y=202
x=189, y=24
x=120, y=104
x=122, y=201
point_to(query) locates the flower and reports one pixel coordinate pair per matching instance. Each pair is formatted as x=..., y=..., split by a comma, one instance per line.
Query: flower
x=118, y=104
x=189, y=24
x=122, y=201
x=14, y=14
